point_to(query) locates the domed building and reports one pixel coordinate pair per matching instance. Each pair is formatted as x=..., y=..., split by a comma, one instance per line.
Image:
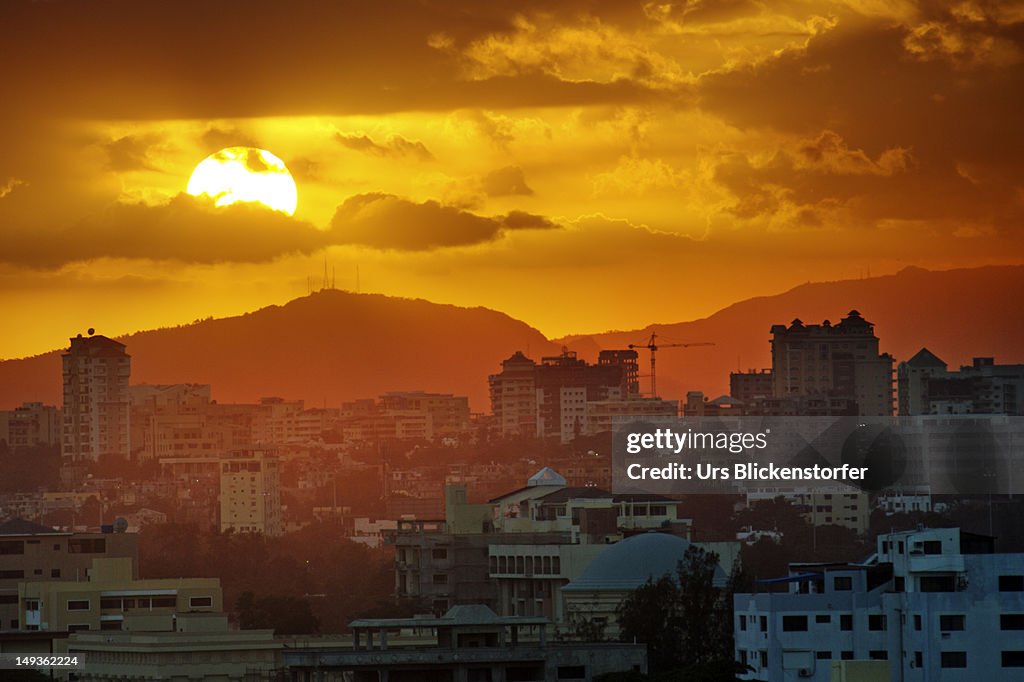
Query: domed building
x=618, y=570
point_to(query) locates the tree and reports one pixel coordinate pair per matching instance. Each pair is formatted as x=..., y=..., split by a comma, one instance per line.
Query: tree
x=651, y=614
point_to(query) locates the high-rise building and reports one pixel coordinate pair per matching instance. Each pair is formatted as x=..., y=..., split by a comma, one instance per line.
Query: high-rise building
x=96, y=399
x=839, y=360
x=514, y=396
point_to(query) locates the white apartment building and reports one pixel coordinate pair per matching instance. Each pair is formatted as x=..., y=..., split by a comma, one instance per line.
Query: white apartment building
x=937, y=604
x=96, y=399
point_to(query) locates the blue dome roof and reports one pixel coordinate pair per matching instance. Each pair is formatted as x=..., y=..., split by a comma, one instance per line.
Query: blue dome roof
x=628, y=564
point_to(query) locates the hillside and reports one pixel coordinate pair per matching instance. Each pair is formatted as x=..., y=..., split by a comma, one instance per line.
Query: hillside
x=334, y=345
x=326, y=347
x=957, y=314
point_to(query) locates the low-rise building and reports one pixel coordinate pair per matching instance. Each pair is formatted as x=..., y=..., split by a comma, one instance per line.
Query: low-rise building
x=113, y=599
x=30, y=552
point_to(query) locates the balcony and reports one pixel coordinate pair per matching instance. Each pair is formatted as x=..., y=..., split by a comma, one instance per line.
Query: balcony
x=937, y=563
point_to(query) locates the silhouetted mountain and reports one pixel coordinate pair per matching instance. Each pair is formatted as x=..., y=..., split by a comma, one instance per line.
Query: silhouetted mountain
x=326, y=347
x=334, y=346
x=957, y=314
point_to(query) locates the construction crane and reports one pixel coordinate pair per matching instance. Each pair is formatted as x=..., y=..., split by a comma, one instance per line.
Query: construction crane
x=653, y=346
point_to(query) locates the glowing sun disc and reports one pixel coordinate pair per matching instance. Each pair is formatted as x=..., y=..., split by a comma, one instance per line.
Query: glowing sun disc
x=245, y=174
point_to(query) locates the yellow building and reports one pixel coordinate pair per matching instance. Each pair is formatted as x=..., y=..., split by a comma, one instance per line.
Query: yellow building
x=250, y=496
x=112, y=600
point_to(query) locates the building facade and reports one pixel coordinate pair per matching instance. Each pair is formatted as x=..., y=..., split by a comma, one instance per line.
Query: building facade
x=840, y=360
x=935, y=604
x=250, y=492
x=97, y=403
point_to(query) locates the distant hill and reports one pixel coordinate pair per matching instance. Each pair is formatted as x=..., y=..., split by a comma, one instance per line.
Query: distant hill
x=334, y=345
x=957, y=314
x=326, y=347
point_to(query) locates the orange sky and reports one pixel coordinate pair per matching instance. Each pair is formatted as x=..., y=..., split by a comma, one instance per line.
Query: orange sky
x=580, y=165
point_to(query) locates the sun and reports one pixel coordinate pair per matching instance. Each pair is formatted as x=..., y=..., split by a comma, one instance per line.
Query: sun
x=245, y=174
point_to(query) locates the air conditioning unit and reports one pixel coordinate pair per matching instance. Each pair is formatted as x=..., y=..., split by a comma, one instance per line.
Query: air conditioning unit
x=805, y=672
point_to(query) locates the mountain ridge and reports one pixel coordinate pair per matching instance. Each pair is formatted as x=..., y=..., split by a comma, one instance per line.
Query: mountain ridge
x=306, y=348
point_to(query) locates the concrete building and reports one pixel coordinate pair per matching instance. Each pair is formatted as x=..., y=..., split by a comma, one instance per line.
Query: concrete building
x=31, y=425
x=839, y=360
x=32, y=552
x=447, y=415
x=934, y=604
x=601, y=413
x=467, y=643
x=558, y=397
x=752, y=384
x=514, y=552
x=250, y=492
x=514, y=396
x=926, y=386
x=96, y=411
x=113, y=599
x=201, y=646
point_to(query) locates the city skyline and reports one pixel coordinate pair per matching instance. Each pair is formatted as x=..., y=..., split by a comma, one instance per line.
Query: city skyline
x=491, y=155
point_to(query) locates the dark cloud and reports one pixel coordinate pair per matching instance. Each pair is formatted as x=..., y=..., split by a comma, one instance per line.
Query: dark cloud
x=504, y=182
x=185, y=229
x=395, y=146
x=389, y=222
x=217, y=138
x=131, y=152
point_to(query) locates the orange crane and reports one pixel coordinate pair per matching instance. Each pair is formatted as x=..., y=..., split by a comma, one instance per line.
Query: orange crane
x=653, y=346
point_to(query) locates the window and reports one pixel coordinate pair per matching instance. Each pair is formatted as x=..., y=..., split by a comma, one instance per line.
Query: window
x=1013, y=659
x=200, y=602
x=938, y=583
x=764, y=659
x=949, y=623
x=764, y=625
x=1011, y=621
x=31, y=604
x=37, y=571
x=572, y=672
x=846, y=655
x=842, y=583
x=12, y=547
x=1011, y=583
x=918, y=659
x=846, y=621
x=823, y=655
x=110, y=603
x=932, y=547
x=878, y=655
x=794, y=623
x=900, y=584
x=164, y=602
x=823, y=619
x=743, y=623
x=87, y=545
x=440, y=578
x=12, y=573
x=110, y=625
x=78, y=627
x=439, y=553
x=8, y=599
x=953, y=659
x=917, y=621
x=54, y=572
x=78, y=605
x=876, y=622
